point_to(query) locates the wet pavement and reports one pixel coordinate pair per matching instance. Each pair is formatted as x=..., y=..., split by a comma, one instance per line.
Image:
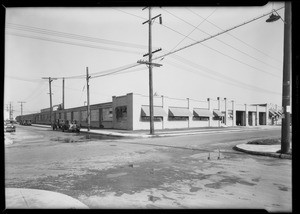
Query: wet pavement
x=173, y=172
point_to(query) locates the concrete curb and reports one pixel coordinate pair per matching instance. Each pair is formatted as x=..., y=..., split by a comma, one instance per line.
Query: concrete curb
x=269, y=154
x=164, y=134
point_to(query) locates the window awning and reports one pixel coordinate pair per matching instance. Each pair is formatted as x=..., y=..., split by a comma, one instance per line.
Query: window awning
x=218, y=113
x=202, y=112
x=272, y=112
x=157, y=111
x=180, y=112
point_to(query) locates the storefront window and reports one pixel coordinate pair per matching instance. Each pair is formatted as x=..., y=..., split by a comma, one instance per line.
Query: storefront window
x=121, y=113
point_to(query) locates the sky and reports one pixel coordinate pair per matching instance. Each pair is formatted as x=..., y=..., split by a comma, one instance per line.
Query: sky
x=244, y=64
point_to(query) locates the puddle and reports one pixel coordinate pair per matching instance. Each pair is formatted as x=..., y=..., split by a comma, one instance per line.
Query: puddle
x=116, y=175
x=99, y=137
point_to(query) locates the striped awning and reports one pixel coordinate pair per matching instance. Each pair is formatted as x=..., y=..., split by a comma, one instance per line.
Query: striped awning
x=272, y=112
x=158, y=111
x=218, y=113
x=202, y=112
x=180, y=112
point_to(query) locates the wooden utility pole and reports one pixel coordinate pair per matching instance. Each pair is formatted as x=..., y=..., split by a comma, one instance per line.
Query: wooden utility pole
x=88, y=98
x=150, y=64
x=10, y=111
x=50, y=93
x=21, y=106
x=286, y=86
x=150, y=77
x=63, y=93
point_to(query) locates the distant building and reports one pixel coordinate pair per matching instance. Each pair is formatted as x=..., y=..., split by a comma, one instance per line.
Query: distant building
x=131, y=112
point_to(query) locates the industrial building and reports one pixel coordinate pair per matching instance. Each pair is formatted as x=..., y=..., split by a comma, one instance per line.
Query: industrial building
x=131, y=112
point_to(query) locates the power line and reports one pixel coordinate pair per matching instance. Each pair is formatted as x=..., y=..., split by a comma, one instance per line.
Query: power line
x=74, y=43
x=215, y=35
x=196, y=27
x=219, y=76
x=71, y=35
x=112, y=71
x=236, y=37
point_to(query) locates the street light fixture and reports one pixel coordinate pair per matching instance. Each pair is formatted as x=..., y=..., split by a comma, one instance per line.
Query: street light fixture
x=287, y=63
x=273, y=17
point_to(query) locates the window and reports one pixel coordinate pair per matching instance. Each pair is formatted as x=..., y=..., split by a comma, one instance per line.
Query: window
x=200, y=118
x=107, y=114
x=176, y=118
x=147, y=119
x=121, y=113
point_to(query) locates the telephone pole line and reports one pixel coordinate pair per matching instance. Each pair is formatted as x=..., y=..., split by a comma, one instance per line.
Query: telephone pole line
x=150, y=64
x=50, y=93
x=63, y=93
x=88, y=98
x=10, y=111
x=21, y=106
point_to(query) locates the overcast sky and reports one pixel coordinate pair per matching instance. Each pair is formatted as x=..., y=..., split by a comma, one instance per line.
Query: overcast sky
x=244, y=64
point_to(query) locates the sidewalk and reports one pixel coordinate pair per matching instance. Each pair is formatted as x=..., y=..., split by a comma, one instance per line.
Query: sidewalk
x=265, y=150
x=167, y=132
x=17, y=198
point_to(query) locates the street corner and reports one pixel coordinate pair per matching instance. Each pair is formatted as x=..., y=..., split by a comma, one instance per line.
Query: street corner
x=264, y=150
x=17, y=198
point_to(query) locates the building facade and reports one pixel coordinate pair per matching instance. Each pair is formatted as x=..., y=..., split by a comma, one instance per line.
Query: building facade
x=131, y=112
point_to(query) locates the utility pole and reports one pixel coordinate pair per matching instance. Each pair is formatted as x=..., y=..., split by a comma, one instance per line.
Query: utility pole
x=150, y=64
x=88, y=98
x=63, y=93
x=286, y=83
x=286, y=80
x=21, y=106
x=50, y=93
x=10, y=111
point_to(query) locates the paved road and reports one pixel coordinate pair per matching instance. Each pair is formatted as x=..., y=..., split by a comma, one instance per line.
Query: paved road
x=167, y=172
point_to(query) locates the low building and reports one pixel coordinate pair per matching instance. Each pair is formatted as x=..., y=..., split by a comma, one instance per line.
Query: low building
x=131, y=112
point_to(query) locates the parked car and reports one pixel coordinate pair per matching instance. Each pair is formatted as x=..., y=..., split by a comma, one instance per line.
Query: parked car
x=58, y=124
x=26, y=123
x=9, y=127
x=71, y=126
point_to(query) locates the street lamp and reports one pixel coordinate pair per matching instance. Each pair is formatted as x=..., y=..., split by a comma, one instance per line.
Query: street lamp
x=287, y=63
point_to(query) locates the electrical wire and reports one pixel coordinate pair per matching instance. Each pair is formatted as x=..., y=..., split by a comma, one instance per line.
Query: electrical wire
x=193, y=29
x=71, y=35
x=74, y=43
x=215, y=35
x=219, y=76
x=236, y=37
x=236, y=49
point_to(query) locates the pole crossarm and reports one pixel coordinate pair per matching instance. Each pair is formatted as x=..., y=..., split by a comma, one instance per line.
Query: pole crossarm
x=152, y=19
x=152, y=52
x=148, y=63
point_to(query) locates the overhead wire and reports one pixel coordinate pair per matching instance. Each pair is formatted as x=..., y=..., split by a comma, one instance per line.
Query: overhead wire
x=219, y=76
x=113, y=71
x=74, y=43
x=235, y=37
x=193, y=29
x=71, y=35
x=236, y=49
x=215, y=35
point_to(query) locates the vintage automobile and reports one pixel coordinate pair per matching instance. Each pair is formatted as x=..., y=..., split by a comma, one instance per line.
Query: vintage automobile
x=58, y=124
x=25, y=122
x=9, y=127
x=70, y=126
